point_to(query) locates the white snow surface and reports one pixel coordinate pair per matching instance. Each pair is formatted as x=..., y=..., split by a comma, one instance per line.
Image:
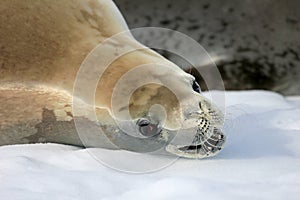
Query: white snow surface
x=261, y=160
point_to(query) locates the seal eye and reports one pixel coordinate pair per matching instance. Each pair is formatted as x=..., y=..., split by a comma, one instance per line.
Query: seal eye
x=147, y=129
x=196, y=86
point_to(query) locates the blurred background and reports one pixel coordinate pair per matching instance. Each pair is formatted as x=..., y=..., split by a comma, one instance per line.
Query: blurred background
x=255, y=44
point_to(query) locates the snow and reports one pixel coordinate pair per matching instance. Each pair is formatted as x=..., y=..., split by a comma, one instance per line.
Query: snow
x=261, y=160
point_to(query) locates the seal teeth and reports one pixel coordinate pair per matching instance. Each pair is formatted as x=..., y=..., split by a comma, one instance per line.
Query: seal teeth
x=203, y=145
x=208, y=147
x=190, y=148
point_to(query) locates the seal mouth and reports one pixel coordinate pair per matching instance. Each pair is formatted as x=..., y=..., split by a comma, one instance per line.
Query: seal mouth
x=205, y=147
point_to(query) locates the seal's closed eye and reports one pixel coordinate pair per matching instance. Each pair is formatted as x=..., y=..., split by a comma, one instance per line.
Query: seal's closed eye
x=148, y=129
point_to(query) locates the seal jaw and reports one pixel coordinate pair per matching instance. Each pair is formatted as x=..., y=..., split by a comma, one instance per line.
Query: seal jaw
x=202, y=127
x=207, y=148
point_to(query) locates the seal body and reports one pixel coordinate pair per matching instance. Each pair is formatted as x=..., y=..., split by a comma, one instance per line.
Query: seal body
x=43, y=44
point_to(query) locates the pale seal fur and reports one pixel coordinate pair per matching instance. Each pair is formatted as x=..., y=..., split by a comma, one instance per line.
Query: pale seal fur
x=43, y=44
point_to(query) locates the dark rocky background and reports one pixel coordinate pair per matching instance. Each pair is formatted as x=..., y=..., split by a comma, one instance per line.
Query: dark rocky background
x=255, y=44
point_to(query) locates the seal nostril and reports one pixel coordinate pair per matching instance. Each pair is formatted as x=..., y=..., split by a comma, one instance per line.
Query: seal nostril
x=196, y=86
